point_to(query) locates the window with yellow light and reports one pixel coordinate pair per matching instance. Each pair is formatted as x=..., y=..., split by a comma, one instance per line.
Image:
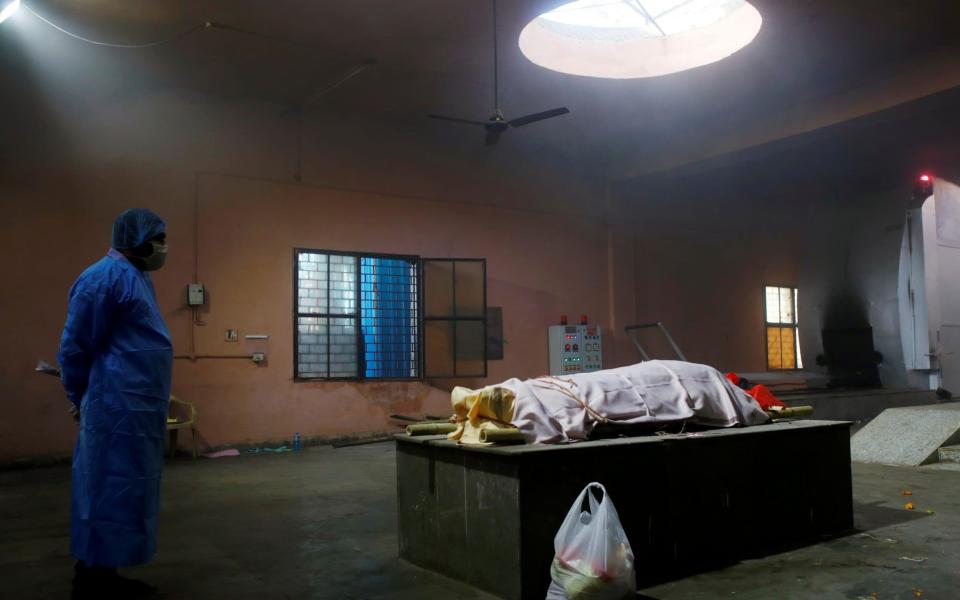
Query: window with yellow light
x=782, y=333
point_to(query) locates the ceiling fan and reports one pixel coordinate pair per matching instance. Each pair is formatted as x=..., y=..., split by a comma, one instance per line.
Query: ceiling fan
x=497, y=123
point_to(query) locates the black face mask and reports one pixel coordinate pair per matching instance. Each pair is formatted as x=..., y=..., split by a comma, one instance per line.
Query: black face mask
x=150, y=255
x=157, y=257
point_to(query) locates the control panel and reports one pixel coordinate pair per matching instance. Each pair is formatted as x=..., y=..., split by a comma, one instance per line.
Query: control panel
x=575, y=349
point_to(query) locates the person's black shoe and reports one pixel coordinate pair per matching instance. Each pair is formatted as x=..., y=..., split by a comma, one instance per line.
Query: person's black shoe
x=88, y=582
x=104, y=583
x=124, y=587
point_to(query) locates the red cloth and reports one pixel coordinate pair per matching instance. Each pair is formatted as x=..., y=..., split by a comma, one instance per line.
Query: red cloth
x=760, y=393
x=765, y=397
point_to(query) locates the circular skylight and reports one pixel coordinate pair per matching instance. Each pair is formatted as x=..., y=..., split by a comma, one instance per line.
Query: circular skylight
x=638, y=38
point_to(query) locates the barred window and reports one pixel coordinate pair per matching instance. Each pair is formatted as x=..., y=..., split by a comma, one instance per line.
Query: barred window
x=359, y=316
x=782, y=330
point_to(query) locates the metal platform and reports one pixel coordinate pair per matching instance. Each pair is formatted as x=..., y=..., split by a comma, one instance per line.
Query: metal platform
x=488, y=515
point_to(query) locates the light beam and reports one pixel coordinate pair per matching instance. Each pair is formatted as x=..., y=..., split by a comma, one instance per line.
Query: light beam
x=8, y=9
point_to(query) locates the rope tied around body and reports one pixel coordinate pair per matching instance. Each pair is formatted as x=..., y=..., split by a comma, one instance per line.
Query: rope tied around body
x=559, y=384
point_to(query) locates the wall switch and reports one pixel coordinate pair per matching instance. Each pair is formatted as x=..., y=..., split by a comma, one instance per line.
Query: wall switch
x=231, y=335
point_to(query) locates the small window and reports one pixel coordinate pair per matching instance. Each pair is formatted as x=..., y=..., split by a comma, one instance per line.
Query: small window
x=455, y=317
x=782, y=332
x=364, y=316
x=357, y=316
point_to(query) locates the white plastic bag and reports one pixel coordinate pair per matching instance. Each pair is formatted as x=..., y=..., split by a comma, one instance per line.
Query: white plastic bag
x=593, y=559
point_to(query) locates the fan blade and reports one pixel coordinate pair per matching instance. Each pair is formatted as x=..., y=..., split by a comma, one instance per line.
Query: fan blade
x=556, y=112
x=493, y=137
x=456, y=120
x=320, y=93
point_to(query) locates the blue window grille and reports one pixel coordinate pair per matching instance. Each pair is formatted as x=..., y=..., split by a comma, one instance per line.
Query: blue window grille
x=388, y=317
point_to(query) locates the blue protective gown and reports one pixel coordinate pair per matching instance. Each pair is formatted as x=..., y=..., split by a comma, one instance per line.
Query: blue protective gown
x=116, y=360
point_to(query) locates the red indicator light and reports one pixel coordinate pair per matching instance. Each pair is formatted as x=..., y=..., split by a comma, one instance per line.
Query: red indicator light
x=925, y=178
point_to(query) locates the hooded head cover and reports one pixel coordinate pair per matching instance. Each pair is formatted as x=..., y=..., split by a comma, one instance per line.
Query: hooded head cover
x=135, y=226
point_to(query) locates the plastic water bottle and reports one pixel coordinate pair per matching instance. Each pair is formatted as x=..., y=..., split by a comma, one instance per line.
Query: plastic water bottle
x=296, y=441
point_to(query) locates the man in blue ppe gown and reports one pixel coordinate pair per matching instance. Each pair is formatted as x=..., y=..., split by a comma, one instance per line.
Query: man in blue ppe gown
x=116, y=362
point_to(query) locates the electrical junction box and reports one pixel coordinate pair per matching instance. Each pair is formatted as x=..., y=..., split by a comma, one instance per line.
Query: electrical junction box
x=195, y=294
x=575, y=349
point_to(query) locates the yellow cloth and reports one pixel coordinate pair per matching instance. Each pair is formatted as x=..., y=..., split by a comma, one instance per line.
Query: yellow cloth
x=487, y=408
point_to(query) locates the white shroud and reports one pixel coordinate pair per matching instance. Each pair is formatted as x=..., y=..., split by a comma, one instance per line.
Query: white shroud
x=564, y=409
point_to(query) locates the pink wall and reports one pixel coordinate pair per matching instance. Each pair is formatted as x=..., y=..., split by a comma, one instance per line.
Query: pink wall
x=704, y=250
x=248, y=229
x=709, y=292
x=61, y=193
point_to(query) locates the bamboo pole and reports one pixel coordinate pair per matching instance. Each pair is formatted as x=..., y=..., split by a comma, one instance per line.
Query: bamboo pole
x=792, y=411
x=431, y=428
x=501, y=436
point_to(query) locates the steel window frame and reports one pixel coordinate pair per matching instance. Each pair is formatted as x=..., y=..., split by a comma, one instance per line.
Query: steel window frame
x=356, y=315
x=456, y=318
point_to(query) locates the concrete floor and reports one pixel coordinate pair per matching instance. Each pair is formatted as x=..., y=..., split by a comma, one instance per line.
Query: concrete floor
x=322, y=524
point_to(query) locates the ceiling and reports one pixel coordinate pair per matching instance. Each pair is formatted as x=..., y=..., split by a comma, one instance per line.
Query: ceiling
x=814, y=63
